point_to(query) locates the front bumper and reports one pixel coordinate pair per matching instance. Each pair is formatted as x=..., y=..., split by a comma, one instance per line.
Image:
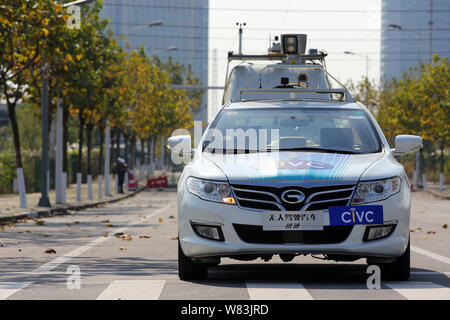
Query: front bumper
x=192, y=208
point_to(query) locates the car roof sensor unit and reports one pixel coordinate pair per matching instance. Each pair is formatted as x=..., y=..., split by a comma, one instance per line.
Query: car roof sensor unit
x=293, y=46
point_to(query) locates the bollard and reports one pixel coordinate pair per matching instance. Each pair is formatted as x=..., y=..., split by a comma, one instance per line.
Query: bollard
x=100, y=195
x=79, y=177
x=89, y=181
x=64, y=188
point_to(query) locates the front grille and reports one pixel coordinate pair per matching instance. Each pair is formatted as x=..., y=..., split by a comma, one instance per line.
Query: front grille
x=270, y=198
x=256, y=234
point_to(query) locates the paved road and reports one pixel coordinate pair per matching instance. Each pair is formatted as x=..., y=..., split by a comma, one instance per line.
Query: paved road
x=128, y=250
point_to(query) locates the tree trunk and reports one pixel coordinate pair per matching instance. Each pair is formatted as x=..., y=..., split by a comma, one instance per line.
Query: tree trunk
x=149, y=144
x=142, y=152
x=89, y=129
x=102, y=140
x=117, y=145
x=65, y=136
x=125, y=156
x=80, y=142
x=15, y=130
x=133, y=152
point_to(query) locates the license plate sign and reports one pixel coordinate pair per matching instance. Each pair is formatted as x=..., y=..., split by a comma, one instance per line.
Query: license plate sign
x=351, y=215
x=292, y=220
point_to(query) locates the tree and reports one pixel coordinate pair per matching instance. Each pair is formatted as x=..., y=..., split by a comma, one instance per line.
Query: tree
x=418, y=103
x=366, y=92
x=27, y=29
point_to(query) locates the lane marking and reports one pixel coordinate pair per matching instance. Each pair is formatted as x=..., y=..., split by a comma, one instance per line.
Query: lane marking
x=9, y=288
x=133, y=290
x=277, y=291
x=49, y=266
x=431, y=254
x=420, y=290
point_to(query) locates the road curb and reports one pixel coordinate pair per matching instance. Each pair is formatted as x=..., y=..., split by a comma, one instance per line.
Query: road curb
x=63, y=210
x=437, y=194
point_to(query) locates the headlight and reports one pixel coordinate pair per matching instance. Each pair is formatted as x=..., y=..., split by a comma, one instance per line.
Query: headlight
x=211, y=190
x=372, y=191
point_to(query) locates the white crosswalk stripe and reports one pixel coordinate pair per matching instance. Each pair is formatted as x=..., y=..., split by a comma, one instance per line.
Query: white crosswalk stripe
x=7, y=289
x=420, y=290
x=257, y=290
x=277, y=291
x=133, y=290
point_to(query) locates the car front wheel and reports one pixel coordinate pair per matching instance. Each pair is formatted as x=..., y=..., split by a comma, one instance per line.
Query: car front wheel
x=188, y=269
x=399, y=270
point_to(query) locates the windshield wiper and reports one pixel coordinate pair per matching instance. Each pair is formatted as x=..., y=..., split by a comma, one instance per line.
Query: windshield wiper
x=324, y=150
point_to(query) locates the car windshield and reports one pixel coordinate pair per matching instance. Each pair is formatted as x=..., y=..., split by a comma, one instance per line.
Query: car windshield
x=294, y=129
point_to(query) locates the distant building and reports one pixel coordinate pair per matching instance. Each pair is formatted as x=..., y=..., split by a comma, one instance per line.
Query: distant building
x=175, y=28
x=405, y=35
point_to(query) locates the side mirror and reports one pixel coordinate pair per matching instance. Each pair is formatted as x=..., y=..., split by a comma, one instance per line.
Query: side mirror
x=407, y=144
x=180, y=144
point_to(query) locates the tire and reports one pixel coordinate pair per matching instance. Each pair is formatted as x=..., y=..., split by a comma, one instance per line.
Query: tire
x=188, y=269
x=399, y=270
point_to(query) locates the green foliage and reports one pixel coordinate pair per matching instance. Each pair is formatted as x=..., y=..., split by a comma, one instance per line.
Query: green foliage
x=29, y=127
x=7, y=171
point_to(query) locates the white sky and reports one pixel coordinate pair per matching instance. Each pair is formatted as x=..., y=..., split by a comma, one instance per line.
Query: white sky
x=336, y=26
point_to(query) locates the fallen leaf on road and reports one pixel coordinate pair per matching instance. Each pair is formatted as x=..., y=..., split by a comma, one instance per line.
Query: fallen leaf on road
x=160, y=220
x=176, y=238
x=76, y=222
x=105, y=221
x=44, y=235
x=118, y=234
x=123, y=249
x=411, y=230
x=431, y=232
x=27, y=231
x=2, y=227
x=39, y=222
x=110, y=225
x=50, y=251
x=445, y=226
x=20, y=250
x=145, y=237
x=424, y=238
x=106, y=234
x=127, y=238
x=172, y=217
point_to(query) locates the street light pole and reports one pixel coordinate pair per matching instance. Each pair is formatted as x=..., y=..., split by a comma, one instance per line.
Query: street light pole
x=44, y=200
x=366, y=56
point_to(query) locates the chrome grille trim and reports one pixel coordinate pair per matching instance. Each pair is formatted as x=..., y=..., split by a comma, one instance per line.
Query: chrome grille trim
x=328, y=191
x=323, y=201
x=277, y=202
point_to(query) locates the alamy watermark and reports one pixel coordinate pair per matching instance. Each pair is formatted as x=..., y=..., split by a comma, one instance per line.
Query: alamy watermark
x=74, y=21
x=74, y=279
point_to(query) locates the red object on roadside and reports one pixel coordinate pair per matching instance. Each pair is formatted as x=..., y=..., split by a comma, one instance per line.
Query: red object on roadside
x=160, y=182
x=132, y=181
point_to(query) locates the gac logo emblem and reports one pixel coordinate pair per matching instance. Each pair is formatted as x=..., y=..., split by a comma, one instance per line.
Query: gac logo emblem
x=293, y=196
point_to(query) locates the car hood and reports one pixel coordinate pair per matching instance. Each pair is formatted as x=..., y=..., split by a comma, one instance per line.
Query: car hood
x=289, y=166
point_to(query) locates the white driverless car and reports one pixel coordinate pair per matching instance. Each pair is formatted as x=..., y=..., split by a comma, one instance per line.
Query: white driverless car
x=329, y=184
x=285, y=169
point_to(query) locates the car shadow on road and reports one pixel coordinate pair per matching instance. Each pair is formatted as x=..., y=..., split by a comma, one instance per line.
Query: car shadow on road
x=332, y=274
